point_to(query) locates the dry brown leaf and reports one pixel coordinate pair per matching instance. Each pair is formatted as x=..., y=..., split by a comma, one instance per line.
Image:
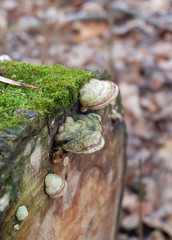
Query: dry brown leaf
x=149, y=104
x=154, y=6
x=132, y=26
x=9, y=5
x=88, y=30
x=164, y=114
x=130, y=222
x=147, y=208
x=166, y=65
x=130, y=202
x=162, y=49
x=79, y=55
x=133, y=77
x=165, y=153
x=151, y=192
x=157, y=235
x=158, y=224
x=92, y=7
x=165, y=208
x=157, y=80
x=163, y=98
x=157, y=6
x=143, y=129
x=131, y=99
x=3, y=20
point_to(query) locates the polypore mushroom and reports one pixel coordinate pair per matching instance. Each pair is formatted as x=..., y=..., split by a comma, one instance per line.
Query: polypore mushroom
x=55, y=186
x=97, y=94
x=21, y=213
x=81, y=134
x=16, y=227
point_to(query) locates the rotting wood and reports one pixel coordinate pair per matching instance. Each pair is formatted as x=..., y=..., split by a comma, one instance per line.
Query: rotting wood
x=90, y=207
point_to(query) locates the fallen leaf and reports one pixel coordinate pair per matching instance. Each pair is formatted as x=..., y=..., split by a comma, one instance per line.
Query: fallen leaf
x=92, y=7
x=151, y=192
x=130, y=222
x=130, y=202
x=154, y=6
x=131, y=101
x=157, y=235
x=162, y=49
x=164, y=114
x=165, y=153
x=158, y=224
x=149, y=104
x=133, y=25
x=88, y=30
x=3, y=20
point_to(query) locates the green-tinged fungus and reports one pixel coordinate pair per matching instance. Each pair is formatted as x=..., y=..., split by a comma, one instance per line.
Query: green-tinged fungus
x=81, y=134
x=21, y=213
x=55, y=186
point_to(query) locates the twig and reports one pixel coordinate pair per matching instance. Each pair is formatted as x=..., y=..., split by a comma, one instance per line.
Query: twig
x=141, y=200
x=110, y=40
x=3, y=34
x=44, y=33
x=133, y=12
x=80, y=16
x=115, y=10
x=56, y=34
x=9, y=81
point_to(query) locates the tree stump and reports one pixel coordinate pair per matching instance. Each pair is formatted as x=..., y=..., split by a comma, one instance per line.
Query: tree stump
x=90, y=207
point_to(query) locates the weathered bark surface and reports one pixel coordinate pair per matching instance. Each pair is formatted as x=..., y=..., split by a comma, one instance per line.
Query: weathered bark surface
x=90, y=207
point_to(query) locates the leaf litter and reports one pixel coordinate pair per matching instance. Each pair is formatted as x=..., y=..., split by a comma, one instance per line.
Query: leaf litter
x=142, y=63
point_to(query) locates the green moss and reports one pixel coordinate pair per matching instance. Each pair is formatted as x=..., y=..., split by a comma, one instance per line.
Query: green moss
x=59, y=90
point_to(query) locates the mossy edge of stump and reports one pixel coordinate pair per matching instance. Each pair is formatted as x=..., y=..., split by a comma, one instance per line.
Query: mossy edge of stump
x=90, y=207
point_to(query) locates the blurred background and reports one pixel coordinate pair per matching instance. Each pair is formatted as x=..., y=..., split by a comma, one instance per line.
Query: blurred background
x=133, y=40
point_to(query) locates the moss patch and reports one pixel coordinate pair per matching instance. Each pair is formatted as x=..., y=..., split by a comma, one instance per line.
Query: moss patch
x=59, y=90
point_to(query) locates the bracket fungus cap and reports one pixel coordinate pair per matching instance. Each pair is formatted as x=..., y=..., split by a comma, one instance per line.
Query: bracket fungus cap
x=97, y=94
x=21, y=213
x=81, y=134
x=55, y=186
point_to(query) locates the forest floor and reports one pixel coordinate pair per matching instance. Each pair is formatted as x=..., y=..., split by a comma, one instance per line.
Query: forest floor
x=136, y=47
